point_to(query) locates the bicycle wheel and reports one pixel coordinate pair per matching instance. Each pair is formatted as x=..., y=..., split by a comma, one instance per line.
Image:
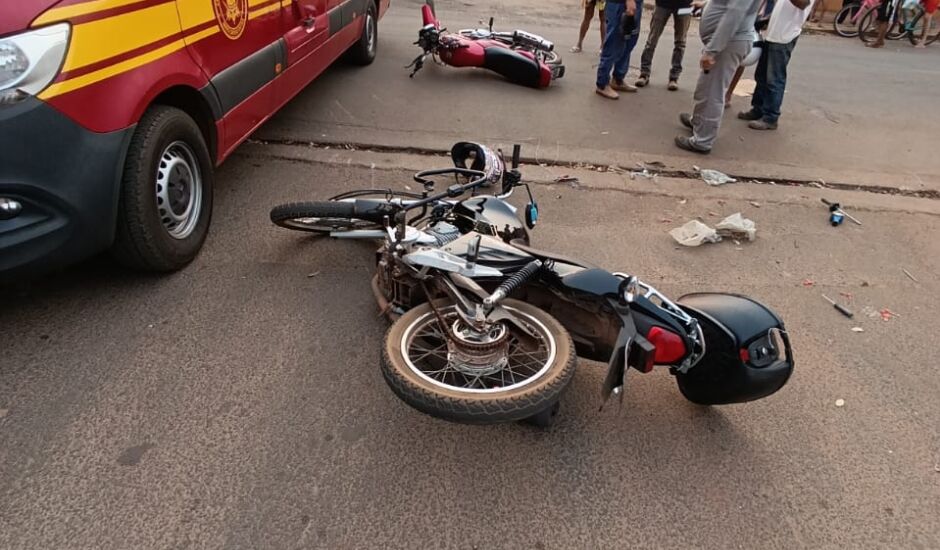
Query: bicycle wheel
x=867, y=26
x=900, y=27
x=845, y=23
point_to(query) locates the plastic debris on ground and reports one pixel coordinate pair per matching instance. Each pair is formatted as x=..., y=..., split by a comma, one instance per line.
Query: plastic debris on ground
x=858, y=329
x=737, y=226
x=694, y=233
x=570, y=180
x=840, y=402
x=808, y=282
x=714, y=177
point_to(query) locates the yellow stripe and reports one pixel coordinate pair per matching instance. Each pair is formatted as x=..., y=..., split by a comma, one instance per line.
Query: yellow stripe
x=112, y=36
x=195, y=12
x=135, y=62
x=58, y=14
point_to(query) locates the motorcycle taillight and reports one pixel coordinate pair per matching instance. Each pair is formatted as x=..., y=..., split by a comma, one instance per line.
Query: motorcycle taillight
x=669, y=346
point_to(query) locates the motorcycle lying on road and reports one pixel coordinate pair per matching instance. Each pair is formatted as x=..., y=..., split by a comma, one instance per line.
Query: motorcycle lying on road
x=486, y=328
x=520, y=56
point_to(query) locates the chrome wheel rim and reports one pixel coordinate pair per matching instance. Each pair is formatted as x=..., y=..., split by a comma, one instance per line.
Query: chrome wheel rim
x=179, y=190
x=424, y=348
x=370, y=31
x=328, y=225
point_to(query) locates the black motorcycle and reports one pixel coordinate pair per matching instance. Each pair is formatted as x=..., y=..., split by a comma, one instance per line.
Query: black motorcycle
x=488, y=329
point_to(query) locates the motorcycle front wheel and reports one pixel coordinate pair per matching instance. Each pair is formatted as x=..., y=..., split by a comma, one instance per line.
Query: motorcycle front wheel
x=319, y=217
x=439, y=376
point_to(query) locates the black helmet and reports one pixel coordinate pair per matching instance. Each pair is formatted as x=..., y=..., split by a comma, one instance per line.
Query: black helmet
x=474, y=156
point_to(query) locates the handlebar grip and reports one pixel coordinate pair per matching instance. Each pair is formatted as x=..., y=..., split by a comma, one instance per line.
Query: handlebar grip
x=516, y=154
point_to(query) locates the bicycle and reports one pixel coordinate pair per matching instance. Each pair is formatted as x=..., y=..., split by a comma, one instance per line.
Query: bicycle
x=902, y=22
x=846, y=20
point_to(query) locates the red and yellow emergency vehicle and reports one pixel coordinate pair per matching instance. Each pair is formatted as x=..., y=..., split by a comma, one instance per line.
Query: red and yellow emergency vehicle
x=113, y=114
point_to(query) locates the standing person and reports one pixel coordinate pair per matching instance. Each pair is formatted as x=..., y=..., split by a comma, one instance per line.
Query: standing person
x=727, y=31
x=882, y=15
x=588, y=7
x=615, y=54
x=681, y=13
x=930, y=7
x=785, y=26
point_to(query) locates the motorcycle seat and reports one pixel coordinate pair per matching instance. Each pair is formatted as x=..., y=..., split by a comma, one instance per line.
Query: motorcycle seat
x=543, y=255
x=512, y=65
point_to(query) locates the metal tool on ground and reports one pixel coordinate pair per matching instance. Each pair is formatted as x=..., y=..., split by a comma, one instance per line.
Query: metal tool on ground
x=839, y=307
x=836, y=213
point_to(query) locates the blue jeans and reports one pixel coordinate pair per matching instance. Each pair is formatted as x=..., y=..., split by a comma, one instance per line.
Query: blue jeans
x=615, y=55
x=771, y=77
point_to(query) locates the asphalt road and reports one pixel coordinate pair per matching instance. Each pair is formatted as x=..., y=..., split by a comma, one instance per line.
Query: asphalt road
x=851, y=114
x=238, y=404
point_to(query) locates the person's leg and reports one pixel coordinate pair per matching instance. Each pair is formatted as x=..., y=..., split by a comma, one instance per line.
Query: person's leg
x=613, y=44
x=734, y=83
x=585, y=25
x=709, y=94
x=777, y=61
x=657, y=24
x=622, y=64
x=603, y=19
x=681, y=23
x=760, y=87
x=882, y=20
x=922, y=43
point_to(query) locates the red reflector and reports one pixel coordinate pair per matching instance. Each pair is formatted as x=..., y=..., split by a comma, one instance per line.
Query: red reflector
x=669, y=346
x=745, y=356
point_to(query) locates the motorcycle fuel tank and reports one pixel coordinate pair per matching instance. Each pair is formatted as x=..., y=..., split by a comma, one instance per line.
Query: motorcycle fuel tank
x=491, y=216
x=747, y=350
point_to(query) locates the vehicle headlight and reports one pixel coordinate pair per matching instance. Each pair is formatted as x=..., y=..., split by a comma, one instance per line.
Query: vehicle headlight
x=29, y=61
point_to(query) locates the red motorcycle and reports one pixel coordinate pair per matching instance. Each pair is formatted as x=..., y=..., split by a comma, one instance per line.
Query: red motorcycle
x=520, y=56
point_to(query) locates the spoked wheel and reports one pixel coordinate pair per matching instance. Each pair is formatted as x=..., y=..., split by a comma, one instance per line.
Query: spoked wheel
x=846, y=23
x=917, y=29
x=868, y=28
x=319, y=217
x=481, y=377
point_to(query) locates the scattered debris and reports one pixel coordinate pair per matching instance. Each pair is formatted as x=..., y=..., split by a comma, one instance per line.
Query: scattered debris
x=808, y=282
x=312, y=275
x=755, y=204
x=645, y=173
x=737, y=226
x=665, y=220
x=694, y=233
x=840, y=402
x=715, y=178
x=858, y=329
x=570, y=180
x=683, y=201
x=836, y=213
x=605, y=133
x=911, y=277
x=839, y=307
x=887, y=314
x=713, y=213
x=846, y=295
x=655, y=164
x=866, y=283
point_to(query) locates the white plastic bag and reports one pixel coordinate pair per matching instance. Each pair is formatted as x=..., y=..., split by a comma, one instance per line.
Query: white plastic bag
x=694, y=233
x=737, y=226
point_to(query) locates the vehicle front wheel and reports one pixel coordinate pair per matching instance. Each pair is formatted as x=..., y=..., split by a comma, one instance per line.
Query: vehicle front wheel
x=165, y=201
x=479, y=378
x=363, y=52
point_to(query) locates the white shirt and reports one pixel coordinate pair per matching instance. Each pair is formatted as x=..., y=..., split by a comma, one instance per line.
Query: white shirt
x=786, y=22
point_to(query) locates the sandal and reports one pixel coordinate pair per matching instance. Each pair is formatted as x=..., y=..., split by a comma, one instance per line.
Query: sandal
x=575, y=49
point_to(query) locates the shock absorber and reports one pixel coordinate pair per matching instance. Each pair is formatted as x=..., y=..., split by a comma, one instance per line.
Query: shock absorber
x=512, y=283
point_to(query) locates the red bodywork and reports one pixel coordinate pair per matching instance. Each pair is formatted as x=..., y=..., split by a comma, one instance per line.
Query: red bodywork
x=462, y=51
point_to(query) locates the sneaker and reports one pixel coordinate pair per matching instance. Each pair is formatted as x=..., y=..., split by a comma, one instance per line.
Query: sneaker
x=761, y=125
x=642, y=81
x=749, y=115
x=622, y=86
x=685, y=142
x=607, y=92
x=673, y=85
x=685, y=119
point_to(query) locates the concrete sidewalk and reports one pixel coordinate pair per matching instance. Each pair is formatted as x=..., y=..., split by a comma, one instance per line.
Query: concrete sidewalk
x=843, y=100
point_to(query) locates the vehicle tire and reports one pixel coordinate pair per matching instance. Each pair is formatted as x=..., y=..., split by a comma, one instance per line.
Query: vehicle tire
x=844, y=24
x=319, y=217
x=363, y=52
x=165, y=201
x=550, y=369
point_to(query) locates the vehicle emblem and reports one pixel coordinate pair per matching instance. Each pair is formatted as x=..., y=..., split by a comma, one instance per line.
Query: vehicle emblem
x=232, y=16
